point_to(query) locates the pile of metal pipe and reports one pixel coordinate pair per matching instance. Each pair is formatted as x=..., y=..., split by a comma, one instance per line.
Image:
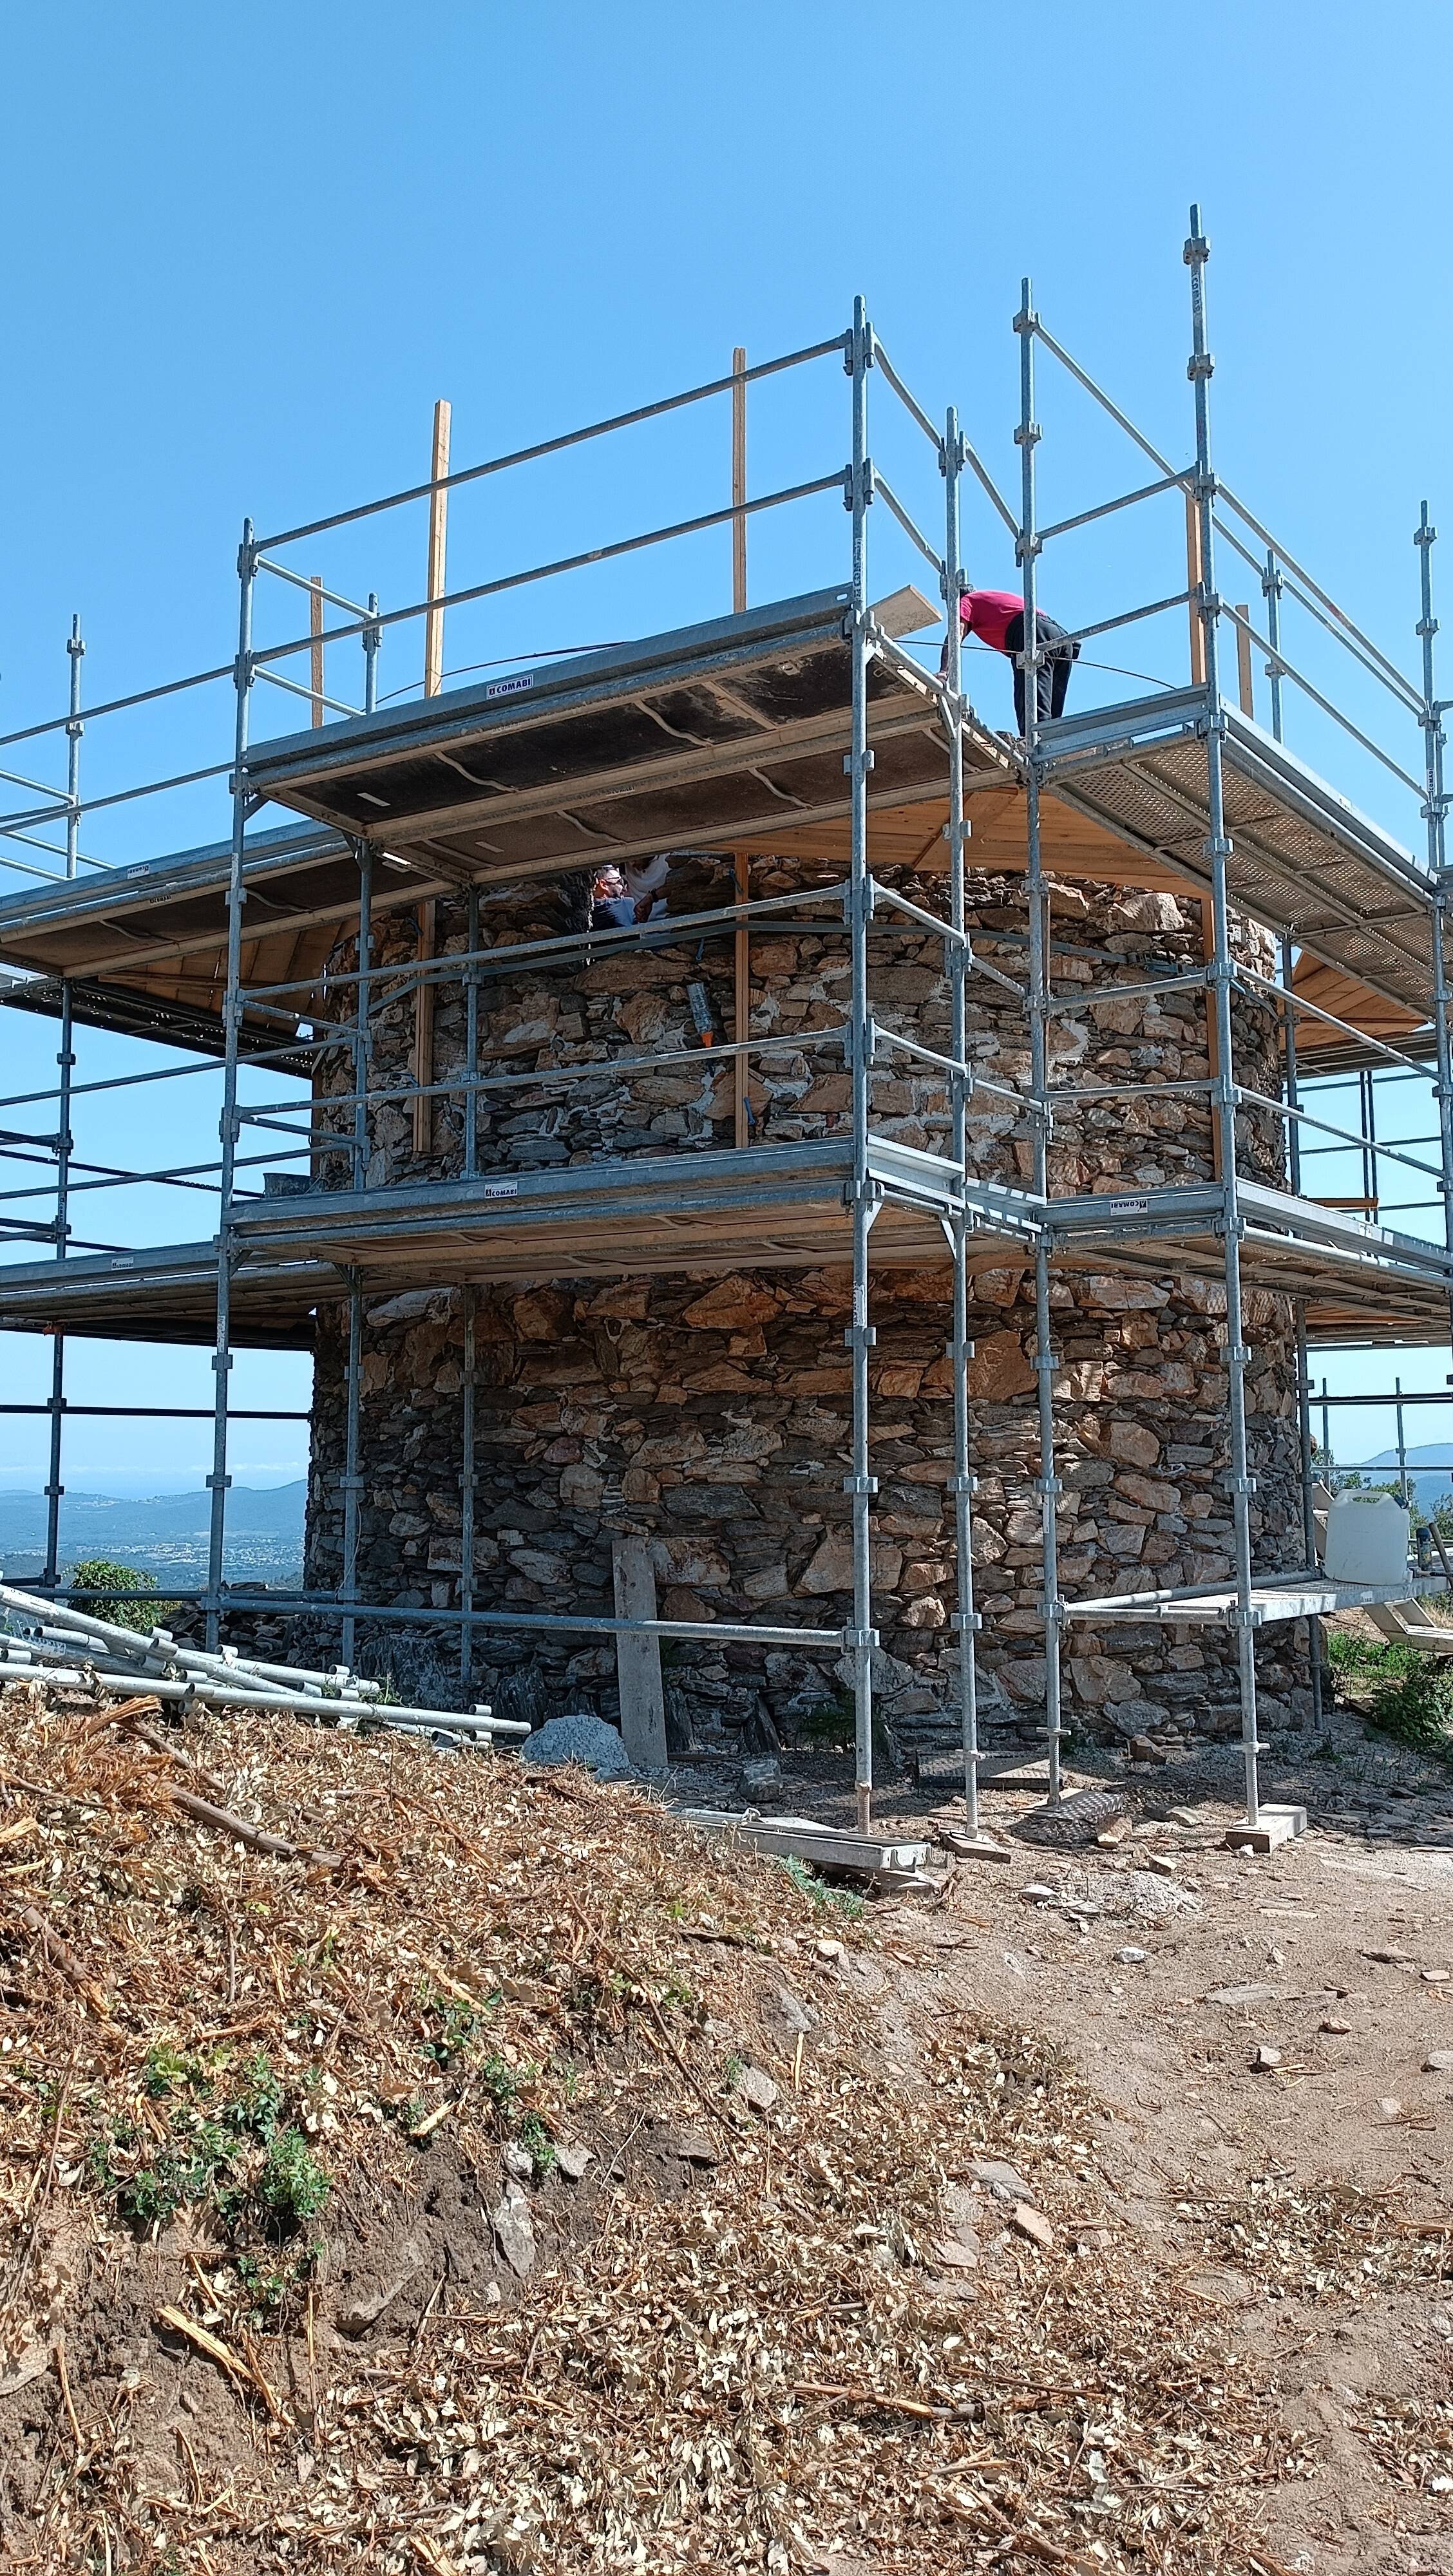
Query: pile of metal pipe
x=73, y=1649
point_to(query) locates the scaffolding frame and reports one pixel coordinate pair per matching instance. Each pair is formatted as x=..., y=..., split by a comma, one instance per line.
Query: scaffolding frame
x=1046, y=1226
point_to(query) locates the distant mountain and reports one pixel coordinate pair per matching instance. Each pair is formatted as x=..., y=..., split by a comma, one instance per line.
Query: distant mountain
x=165, y=1535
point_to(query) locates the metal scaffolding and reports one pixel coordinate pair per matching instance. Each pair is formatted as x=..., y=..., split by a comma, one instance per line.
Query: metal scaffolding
x=1186, y=779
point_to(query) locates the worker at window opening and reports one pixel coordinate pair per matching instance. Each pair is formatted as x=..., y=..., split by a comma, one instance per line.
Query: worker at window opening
x=996, y=618
x=612, y=905
x=622, y=896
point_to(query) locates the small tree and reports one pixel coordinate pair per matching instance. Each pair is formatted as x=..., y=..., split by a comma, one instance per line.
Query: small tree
x=114, y=1583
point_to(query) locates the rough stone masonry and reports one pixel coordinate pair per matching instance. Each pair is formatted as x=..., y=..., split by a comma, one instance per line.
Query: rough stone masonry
x=712, y=1414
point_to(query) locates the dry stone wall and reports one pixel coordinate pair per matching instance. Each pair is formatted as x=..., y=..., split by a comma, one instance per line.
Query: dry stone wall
x=713, y=1416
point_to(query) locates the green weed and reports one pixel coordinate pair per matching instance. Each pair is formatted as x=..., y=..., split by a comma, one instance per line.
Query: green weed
x=535, y=2136
x=838, y=1899
x=293, y=2185
x=457, y=2024
x=167, y=2069
x=211, y=2153
x=254, y=2110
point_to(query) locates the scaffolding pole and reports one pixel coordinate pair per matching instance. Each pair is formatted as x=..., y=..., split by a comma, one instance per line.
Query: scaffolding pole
x=860, y=1485
x=1046, y=1484
x=372, y=639
x=1299, y=1314
x=363, y=853
x=352, y=1480
x=953, y=459
x=65, y=1142
x=471, y=1041
x=468, y=1474
x=219, y=1480
x=1435, y=810
x=54, y=1488
x=1217, y=848
x=1272, y=586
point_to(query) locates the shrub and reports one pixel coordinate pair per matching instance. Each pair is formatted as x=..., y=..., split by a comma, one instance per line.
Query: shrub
x=114, y=1583
x=1416, y=1707
x=1409, y=1696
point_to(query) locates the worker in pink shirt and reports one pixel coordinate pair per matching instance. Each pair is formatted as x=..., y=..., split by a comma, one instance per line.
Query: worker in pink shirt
x=996, y=618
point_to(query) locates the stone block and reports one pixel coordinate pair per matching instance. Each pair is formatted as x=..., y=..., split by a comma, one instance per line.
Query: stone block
x=1099, y=1679
x=927, y=1612
x=831, y=1567
x=731, y=1304
x=998, y=1369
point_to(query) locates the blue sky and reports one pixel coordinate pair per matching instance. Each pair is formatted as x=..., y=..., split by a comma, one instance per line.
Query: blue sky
x=247, y=250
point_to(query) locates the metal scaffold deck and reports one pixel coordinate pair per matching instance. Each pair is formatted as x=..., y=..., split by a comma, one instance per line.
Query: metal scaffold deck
x=799, y=730
x=1303, y=860
x=782, y=1207
x=1274, y=1599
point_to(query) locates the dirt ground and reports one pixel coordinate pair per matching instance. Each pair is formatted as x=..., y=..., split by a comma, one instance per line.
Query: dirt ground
x=1165, y=1967
x=1089, y=2209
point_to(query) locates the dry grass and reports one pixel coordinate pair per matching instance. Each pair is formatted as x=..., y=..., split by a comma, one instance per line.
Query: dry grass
x=240, y=2091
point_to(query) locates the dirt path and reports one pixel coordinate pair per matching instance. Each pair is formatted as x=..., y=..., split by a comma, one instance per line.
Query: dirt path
x=1167, y=1968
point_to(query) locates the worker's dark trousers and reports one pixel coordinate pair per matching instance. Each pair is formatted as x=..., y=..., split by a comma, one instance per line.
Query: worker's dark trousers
x=1052, y=678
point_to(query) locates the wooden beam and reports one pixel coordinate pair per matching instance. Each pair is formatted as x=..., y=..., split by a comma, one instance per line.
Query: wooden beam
x=1195, y=573
x=315, y=649
x=742, y=1008
x=438, y=532
x=423, y=1052
x=1213, y=1034
x=739, y=479
x=1243, y=664
x=638, y=1658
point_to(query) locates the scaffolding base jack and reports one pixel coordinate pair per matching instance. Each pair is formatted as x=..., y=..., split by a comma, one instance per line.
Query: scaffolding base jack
x=1273, y=1826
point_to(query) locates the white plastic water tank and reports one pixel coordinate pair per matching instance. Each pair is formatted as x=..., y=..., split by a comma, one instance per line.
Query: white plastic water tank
x=1367, y=1539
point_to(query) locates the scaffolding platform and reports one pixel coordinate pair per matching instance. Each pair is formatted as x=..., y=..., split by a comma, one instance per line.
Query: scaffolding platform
x=772, y=1206
x=143, y=949
x=712, y=1211
x=1364, y=1284
x=690, y=739
x=1303, y=860
x=1274, y=1597
x=164, y=1293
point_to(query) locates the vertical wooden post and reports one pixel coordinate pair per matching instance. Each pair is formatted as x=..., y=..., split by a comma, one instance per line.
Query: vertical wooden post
x=739, y=479
x=438, y=531
x=1195, y=574
x=423, y=1063
x=315, y=649
x=1213, y=1036
x=1245, y=688
x=742, y=1011
x=638, y=1658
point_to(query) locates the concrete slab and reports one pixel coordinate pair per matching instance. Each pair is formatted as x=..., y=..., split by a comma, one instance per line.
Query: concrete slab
x=967, y=1846
x=823, y=1847
x=1274, y=1826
